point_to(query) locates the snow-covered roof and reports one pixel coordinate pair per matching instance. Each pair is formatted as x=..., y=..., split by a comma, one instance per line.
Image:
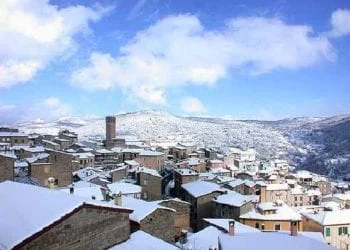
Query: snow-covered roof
x=203, y=239
x=282, y=212
x=10, y=134
x=144, y=241
x=50, y=142
x=185, y=171
x=216, y=161
x=314, y=192
x=104, y=151
x=27, y=209
x=141, y=208
x=132, y=163
x=232, y=199
x=87, y=192
x=37, y=157
x=271, y=241
x=235, y=183
x=224, y=224
x=150, y=153
x=21, y=164
x=8, y=155
x=124, y=188
x=275, y=187
x=328, y=218
x=149, y=171
x=200, y=188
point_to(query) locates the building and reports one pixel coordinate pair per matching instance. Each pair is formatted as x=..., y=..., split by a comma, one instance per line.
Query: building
x=110, y=131
x=182, y=214
x=125, y=189
x=272, y=216
x=151, y=159
x=7, y=164
x=200, y=194
x=334, y=225
x=274, y=192
x=105, y=158
x=58, y=165
x=33, y=217
x=151, y=182
x=183, y=176
x=150, y=217
x=14, y=138
x=68, y=135
x=232, y=205
x=118, y=173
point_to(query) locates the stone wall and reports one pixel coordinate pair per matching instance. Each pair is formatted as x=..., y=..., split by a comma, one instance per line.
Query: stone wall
x=161, y=224
x=151, y=186
x=182, y=215
x=88, y=228
x=6, y=168
x=231, y=212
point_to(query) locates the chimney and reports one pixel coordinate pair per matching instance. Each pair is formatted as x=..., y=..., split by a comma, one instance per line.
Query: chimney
x=294, y=228
x=118, y=199
x=231, y=227
x=71, y=190
x=51, y=182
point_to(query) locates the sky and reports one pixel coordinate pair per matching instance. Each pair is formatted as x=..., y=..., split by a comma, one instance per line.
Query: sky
x=237, y=59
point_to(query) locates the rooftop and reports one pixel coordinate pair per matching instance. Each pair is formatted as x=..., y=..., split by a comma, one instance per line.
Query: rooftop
x=200, y=188
x=327, y=218
x=232, y=199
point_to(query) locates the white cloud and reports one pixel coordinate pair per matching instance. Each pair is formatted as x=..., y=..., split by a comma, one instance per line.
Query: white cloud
x=340, y=23
x=192, y=104
x=34, y=32
x=51, y=108
x=179, y=51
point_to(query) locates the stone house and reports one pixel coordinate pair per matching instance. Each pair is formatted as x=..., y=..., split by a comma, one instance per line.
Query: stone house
x=324, y=186
x=183, y=176
x=200, y=195
x=50, y=145
x=151, y=159
x=14, y=138
x=274, y=192
x=58, y=165
x=182, y=214
x=125, y=189
x=232, y=205
x=150, y=217
x=118, y=173
x=236, y=185
x=55, y=220
x=64, y=143
x=334, y=226
x=151, y=182
x=105, y=158
x=272, y=216
x=7, y=164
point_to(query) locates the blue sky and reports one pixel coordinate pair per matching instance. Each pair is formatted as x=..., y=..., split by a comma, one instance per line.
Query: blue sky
x=240, y=59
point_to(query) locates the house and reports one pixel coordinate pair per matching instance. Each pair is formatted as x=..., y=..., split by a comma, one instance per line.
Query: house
x=33, y=217
x=232, y=205
x=200, y=194
x=151, y=159
x=274, y=192
x=269, y=216
x=14, y=137
x=84, y=160
x=7, y=164
x=144, y=241
x=58, y=165
x=151, y=182
x=182, y=214
x=212, y=164
x=119, y=173
x=150, y=217
x=334, y=225
x=89, y=191
x=183, y=176
x=105, y=158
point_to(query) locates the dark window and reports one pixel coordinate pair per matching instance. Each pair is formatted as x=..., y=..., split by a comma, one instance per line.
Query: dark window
x=257, y=225
x=262, y=226
x=328, y=232
x=56, y=181
x=277, y=227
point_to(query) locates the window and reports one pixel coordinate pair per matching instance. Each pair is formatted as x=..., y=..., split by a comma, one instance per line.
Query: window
x=46, y=169
x=301, y=198
x=277, y=227
x=295, y=198
x=262, y=226
x=145, y=182
x=328, y=232
x=257, y=225
x=342, y=230
x=145, y=195
x=15, y=140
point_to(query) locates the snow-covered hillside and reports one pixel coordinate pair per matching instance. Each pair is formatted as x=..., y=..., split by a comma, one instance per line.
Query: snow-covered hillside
x=294, y=138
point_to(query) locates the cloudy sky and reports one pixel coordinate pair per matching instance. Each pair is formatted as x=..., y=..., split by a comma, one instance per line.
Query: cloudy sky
x=245, y=59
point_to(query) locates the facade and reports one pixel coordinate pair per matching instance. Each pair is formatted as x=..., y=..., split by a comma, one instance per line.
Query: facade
x=232, y=205
x=182, y=214
x=58, y=165
x=118, y=173
x=14, y=138
x=151, y=183
x=7, y=163
x=272, y=216
x=105, y=158
x=200, y=195
x=334, y=225
x=151, y=159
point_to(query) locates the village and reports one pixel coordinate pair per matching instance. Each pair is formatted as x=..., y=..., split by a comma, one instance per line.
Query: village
x=58, y=192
